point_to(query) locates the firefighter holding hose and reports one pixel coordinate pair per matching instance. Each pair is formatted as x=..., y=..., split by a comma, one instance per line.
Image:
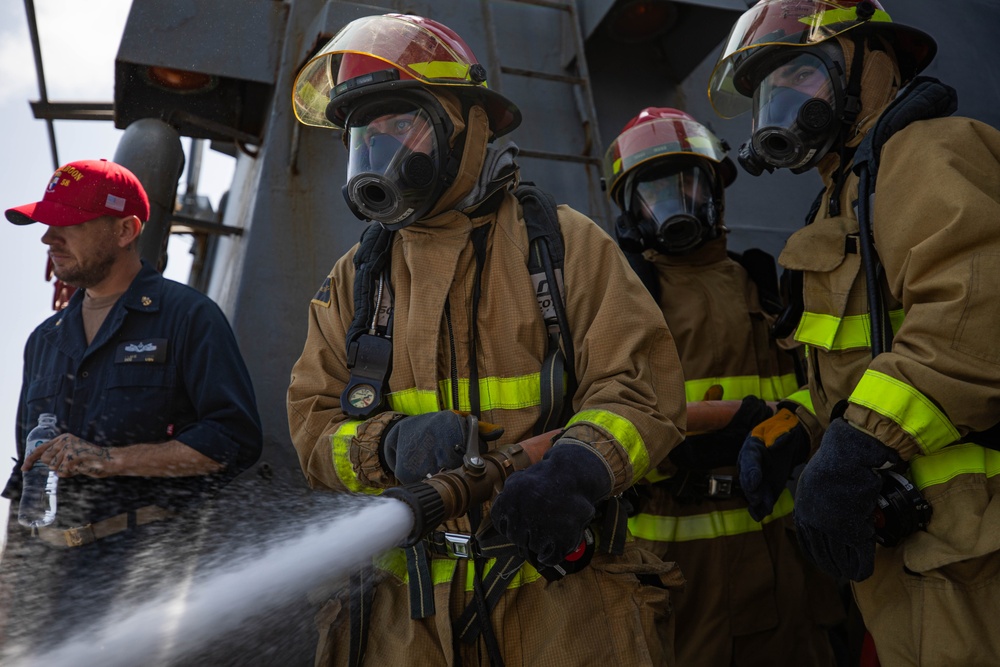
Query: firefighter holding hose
x=470, y=296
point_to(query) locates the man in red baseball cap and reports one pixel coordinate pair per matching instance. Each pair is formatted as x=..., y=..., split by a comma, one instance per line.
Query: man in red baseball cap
x=81, y=191
x=95, y=210
x=153, y=402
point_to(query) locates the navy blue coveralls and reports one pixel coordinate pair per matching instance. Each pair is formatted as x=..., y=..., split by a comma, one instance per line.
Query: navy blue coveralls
x=163, y=366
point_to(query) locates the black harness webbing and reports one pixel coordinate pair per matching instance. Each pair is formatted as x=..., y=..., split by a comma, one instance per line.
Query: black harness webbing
x=924, y=98
x=545, y=265
x=369, y=346
x=362, y=594
x=421, y=584
x=508, y=561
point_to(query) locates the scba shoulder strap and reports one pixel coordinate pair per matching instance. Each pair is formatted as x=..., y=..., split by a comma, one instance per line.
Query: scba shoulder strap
x=924, y=98
x=545, y=264
x=369, y=337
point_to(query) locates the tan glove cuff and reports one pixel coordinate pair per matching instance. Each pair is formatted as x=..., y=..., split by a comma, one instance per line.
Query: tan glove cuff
x=605, y=445
x=366, y=450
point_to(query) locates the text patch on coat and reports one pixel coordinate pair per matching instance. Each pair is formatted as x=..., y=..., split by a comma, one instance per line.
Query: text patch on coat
x=150, y=351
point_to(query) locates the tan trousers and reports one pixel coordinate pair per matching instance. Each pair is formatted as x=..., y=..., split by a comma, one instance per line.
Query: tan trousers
x=602, y=615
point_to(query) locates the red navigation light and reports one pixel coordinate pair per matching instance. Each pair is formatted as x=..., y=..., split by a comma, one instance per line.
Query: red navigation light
x=641, y=20
x=181, y=81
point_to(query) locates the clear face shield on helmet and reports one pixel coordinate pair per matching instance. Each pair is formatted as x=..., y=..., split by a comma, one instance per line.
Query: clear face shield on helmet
x=395, y=164
x=795, y=113
x=670, y=209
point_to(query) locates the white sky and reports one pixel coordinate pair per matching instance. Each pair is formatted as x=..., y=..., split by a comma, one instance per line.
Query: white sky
x=79, y=42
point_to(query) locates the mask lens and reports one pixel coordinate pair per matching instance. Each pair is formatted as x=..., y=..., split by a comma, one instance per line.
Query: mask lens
x=659, y=194
x=392, y=170
x=381, y=138
x=675, y=203
x=793, y=115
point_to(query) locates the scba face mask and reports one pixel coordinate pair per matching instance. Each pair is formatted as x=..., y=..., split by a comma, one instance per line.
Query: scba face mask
x=669, y=209
x=796, y=114
x=396, y=168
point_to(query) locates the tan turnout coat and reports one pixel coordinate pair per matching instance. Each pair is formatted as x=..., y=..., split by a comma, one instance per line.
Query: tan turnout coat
x=629, y=405
x=933, y=599
x=749, y=598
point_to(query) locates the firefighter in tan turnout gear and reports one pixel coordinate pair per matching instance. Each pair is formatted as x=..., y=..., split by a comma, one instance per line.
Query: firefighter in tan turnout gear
x=746, y=597
x=452, y=325
x=899, y=314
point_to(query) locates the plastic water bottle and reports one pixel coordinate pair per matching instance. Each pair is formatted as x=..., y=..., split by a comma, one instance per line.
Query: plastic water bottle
x=38, y=486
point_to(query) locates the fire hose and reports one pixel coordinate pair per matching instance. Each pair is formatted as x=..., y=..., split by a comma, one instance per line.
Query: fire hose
x=449, y=495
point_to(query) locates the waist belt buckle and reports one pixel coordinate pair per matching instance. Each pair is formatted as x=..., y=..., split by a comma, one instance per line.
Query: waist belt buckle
x=458, y=545
x=80, y=536
x=720, y=486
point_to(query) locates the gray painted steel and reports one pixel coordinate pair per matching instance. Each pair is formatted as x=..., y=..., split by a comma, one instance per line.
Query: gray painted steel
x=286, y=194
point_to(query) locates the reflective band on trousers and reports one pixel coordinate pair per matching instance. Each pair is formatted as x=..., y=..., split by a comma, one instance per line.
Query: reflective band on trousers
x=831, y=333
x=443, y=569
x=623, y=431
x=705, y=526
x=739, y=387
x=946, y=464
x=915, y=413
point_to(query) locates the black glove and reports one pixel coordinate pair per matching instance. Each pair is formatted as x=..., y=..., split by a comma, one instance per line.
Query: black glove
x=705, y=451
x=767, y=458
x=425, y=444
x=545, y=509
x=836, y=498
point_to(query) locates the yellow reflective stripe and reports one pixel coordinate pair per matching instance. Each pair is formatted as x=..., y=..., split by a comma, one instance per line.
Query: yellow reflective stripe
x=394, y=561
x=831, y=16
x=803, y=398
x=340, y=444
x=616, y=166
x=840, y=333
x=741, y=386
x=654, y=475
x=441, y=69
x=495, y=393
x=915, y=413
x=946, y=464
x=623, y=431
x=524, y=575
x=705, y=526
x=443, y=570
x=414, y=401
x=699, y=142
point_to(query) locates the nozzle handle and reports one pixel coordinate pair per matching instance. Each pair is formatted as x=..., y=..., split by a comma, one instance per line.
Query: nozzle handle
x=426, y=504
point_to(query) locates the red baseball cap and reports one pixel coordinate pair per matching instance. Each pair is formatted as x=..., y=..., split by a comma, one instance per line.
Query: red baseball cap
x=81, y=191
